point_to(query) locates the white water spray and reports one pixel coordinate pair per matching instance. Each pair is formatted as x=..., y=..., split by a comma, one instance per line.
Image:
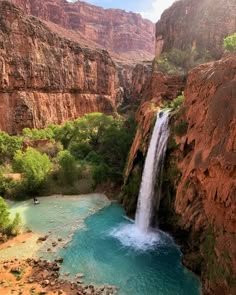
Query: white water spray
x=140, y=235
x=152, y=172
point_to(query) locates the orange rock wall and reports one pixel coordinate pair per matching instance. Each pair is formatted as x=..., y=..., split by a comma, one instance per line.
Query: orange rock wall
x=158, y=88
x=114, y=29
x=206, y=194
x=48, y=79
x=202, y=24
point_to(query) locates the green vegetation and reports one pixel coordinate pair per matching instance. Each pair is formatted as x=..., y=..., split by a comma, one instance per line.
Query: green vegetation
x=230, y=43
x=34, y=167
x=7, y=226
x=176, y=103
x=57, y=159
x=8, y=146
x=68, y=169
x=179, y=62
x=180, y=129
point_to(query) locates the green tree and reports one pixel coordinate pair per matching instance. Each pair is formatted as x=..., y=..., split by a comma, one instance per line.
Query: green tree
x=68, y=170
x=6, y=226
x=230, y=43
x=34, y=166
x=35, y=134
x=9, y=145
x=14, y=228
x=4, y=215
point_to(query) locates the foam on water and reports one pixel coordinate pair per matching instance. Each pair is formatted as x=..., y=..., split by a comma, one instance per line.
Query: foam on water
x=130, y=235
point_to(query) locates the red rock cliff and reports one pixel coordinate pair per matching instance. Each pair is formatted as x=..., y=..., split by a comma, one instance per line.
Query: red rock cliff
x=113, y=29
x=202, y=23
x=206, y=195
x=48, y=79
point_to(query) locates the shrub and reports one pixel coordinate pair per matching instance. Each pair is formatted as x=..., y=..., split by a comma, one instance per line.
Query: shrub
x=176, y=103
x=68, y=171
x=35, y=134
x=80, y=150
x=181, y=128
x=230, y=43
x=4, y=215
x=6, y=226
x=179, y=62
x=14, y=228
x=34, y=166
x=100, y=173
x=9, y=145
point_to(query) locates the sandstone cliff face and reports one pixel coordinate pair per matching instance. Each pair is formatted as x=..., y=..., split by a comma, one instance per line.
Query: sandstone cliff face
x=206, y=195
x=48, y=79
x=113, y=29
x=199, y=189
x=132, y=79
x=157, y=89
x=202, y=23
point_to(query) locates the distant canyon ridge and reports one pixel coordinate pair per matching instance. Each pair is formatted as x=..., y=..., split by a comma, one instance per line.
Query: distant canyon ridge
x=119, y=32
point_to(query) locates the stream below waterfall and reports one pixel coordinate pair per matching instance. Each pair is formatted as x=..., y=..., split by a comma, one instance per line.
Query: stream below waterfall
x=90, y=233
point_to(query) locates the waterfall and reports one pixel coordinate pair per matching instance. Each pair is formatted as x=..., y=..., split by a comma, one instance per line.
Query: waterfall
x=139, y=234
x=152, y=173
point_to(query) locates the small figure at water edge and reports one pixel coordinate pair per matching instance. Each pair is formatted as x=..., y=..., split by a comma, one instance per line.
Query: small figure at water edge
x=36, y=201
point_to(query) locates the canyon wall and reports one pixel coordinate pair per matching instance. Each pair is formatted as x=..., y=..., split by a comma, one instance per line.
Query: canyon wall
x=158, y=89
x=205, y=201
x=45, y=78
x=133, y=78
x=114, y=29
x=201, y=24
x=198, y=203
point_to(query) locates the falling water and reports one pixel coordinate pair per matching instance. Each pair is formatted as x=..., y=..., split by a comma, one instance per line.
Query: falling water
x=139, y=235
x=152, y=173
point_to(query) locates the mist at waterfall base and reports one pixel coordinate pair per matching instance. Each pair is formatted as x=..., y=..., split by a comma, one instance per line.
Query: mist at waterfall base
x=140, y=235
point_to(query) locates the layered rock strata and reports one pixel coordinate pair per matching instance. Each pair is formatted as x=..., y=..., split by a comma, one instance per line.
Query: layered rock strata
x=206, y=194
x=199, y=191
x=114, y=29
x=200, y=25
x=48, y=79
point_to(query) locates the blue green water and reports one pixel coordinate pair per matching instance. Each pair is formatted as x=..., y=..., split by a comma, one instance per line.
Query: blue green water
x=107, y=248
x=103, y=259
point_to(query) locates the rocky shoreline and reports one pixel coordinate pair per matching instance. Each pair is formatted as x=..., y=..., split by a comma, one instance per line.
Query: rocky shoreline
x=36, y=276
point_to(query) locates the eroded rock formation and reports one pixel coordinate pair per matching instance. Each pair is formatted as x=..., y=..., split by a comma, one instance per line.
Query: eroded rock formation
x=158, y=88
x=202, y=24
x=133, y=78
x=199, y=188
x=114, y=29
x=45, y=78
x=206, y=194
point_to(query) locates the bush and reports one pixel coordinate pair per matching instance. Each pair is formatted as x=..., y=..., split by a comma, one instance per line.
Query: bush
x=34, y=166
x=230, y=43
x=9, y=145
x=35, y=134
x=176, y=103
x=14, y=228
x=4, y=215
x=80, y=150
x=100, y=173
x=7, y=186
x=181, y=128
x=179, y=62
x=68, y=171
x=6, y=226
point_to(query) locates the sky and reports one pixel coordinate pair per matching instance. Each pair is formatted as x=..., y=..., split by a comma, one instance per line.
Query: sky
x=150, y=9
